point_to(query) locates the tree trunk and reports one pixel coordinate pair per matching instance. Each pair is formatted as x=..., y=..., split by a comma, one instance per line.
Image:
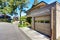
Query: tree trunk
x=20, y=17
x=5, y=18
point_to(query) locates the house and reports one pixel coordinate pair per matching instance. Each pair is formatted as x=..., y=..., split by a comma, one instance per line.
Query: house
x=2, y=17
x=46, y=18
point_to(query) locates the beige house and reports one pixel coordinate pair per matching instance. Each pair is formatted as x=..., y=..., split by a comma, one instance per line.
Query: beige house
x=46, y=19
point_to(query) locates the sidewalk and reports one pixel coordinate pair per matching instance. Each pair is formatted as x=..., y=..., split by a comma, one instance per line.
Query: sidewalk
x=33, y=34
x=16, y=23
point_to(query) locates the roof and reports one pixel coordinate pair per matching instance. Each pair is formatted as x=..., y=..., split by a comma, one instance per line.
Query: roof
x=45, y=7
x=41, y=4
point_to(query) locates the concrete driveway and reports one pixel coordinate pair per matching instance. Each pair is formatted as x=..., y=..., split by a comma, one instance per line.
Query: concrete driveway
x=10, y=31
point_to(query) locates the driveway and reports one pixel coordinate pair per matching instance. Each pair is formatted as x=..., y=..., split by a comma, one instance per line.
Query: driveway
x=10, y=31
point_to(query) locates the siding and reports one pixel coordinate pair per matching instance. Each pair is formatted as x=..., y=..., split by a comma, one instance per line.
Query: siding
x=58, y=21
x=43, y=27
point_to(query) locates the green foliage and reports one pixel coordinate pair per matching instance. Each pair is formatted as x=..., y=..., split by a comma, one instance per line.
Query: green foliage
x=23, y=18
x=35, y=2
x=3, y=20
x=12, y=5
x=6, y=10
x=3, y=0
x=25, y=24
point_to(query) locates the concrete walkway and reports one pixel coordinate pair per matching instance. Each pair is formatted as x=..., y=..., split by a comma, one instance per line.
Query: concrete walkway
x=33, y=35
x=10, y=31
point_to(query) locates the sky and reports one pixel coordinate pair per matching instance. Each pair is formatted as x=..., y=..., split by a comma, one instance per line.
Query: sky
x=32, y=1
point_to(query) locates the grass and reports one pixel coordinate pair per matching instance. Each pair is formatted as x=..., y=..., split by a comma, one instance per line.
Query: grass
x=5, y=20
x=25, y=24
x=20, y=25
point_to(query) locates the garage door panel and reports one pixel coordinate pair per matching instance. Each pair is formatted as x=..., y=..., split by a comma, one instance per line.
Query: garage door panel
x=43, y=27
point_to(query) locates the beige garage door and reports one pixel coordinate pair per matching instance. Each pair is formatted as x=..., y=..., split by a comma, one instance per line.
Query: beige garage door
x=42, y=24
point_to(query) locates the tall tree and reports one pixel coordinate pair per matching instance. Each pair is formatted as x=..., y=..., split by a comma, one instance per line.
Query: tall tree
x=15, y=3
x=12, y=5
x=2, y=5
x=35, y=2
x=21, y=3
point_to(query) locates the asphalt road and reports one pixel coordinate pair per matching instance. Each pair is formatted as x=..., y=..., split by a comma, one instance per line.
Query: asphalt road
x=10, y=31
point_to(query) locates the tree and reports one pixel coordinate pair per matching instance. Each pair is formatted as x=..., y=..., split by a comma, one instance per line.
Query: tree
x=22, y=4
x=2, y=7
x=6, y=10
x=35, y=2
x=11, y=6
x=15, y=3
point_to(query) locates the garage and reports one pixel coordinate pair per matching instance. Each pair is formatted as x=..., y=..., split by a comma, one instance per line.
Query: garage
x=42, y=24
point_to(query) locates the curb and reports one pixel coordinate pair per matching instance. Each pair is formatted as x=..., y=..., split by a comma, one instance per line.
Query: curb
x=25, y=34
x=33, y=35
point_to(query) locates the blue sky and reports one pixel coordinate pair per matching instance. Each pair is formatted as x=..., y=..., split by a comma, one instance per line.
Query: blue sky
x=32, y=1
x=58, y=0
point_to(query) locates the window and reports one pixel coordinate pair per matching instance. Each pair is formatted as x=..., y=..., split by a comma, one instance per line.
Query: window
x=47, y=21
x=35, y=21
x=42, y=21
x=39, y=21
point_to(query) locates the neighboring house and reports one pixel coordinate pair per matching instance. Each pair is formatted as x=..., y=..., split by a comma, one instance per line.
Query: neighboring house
x=7, y=17
x=46, y=18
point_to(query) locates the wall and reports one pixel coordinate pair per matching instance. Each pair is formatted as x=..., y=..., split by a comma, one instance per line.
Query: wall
x=58, y=21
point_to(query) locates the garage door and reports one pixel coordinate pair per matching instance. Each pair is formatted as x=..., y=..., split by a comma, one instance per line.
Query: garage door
x=42, y=24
